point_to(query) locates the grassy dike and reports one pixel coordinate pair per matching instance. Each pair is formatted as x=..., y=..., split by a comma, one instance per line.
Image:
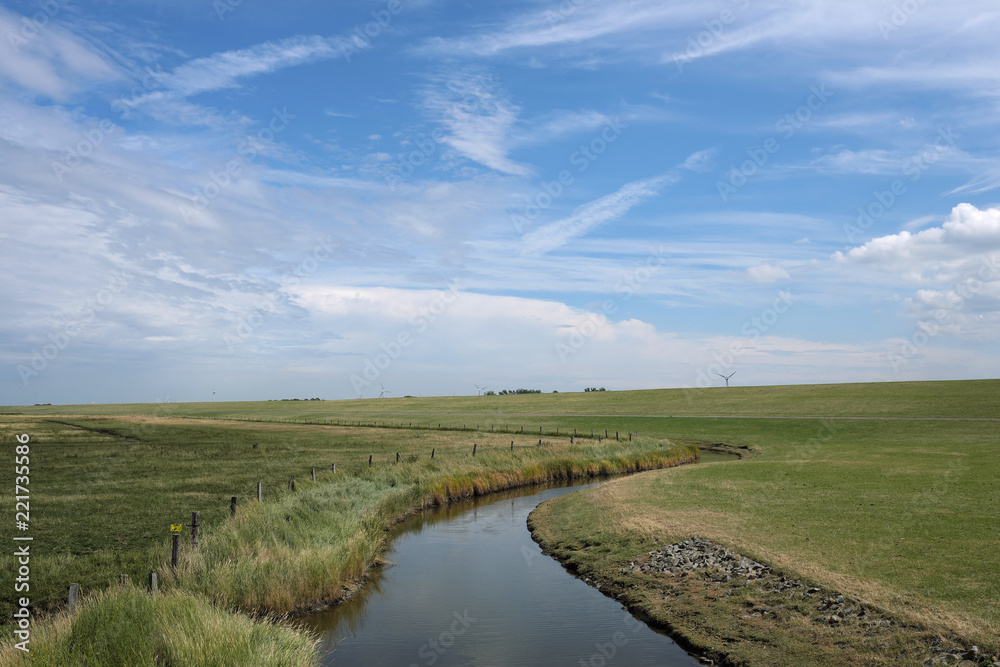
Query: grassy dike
x=105, y=489
x=897, y=516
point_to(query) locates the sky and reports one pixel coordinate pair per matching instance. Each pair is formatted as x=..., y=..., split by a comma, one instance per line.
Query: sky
x=313, y=199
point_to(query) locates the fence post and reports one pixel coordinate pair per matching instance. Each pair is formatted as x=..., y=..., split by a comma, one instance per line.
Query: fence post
x=473, y=449
x=175, y=550
x=195, y=526
x=232, y=507
x=291, y=483
x=74, y=596
x=630, y=436
x=123, y=579
x=154, y=582
x=334, y=468
x=314, y=474
x=571, y=438
x=616, y=436
x=511, y=445
x=432, y=452
x=397, y=457
x=260, y=491
x=369, y=460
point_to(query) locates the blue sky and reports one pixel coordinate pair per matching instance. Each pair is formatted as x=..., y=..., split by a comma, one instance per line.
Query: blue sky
x=302, y=199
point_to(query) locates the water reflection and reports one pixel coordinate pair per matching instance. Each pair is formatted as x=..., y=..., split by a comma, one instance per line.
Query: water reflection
x=468, y=586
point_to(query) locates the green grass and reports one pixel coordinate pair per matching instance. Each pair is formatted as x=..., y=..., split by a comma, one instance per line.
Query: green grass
x=105, y=491
x=130, y=628
x=898, y=511
x=902, y=514
x=962, y=399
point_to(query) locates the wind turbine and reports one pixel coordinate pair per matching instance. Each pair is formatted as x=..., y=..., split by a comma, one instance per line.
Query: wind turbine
x=726, y=377
x=384, y=391
x=481, y=389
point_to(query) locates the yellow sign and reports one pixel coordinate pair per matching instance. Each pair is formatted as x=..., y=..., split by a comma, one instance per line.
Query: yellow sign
x=176, y=527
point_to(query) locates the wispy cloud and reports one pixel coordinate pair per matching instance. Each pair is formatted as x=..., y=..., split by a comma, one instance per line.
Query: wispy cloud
x=559, y=124
x=478, y=118
x=50, y=61
x=607, y=208
x=701, y=161
x=548, y=28
x=225, y=69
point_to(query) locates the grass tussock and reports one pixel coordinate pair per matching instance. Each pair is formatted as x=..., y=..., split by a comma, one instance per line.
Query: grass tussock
x=128, y=627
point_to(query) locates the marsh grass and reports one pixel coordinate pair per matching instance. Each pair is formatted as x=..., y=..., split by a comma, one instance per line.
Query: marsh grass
x=105, y=491
x=127, y=627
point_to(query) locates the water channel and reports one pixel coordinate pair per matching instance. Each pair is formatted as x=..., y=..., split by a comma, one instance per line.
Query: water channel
x=468, y=586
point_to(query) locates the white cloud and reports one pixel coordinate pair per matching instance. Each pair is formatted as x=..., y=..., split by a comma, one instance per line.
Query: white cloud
x=478, y=118
x=225, y=69
x=968, y=232
x=607, y=208
x=957, y=262
x=49, y=60
x=767, y=273
x=700, y=161
x=584, y=23
x=558, y=124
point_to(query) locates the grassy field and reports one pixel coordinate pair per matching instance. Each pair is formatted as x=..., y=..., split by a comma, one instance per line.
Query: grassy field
x=853, y=488
x=900, y=513
x=106, y=489
x=966, y=399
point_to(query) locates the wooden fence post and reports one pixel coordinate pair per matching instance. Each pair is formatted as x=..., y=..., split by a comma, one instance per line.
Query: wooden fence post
x=74, y=596
x=232, y=507
x=630, y=436
x=154, y=582
x=123, y=579
x=511, y=445
x=616, y=436
x=571, y=438
x=291, y=483
x=397, y=457
x=432, y=452
x=334, y=468
x=260, y=491
x=314, y=474
x=473, y=449
x=195, y=526
x=369, y=460
x=175, y=550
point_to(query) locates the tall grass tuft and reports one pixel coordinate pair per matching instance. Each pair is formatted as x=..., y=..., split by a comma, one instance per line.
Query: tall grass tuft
x=128, y=627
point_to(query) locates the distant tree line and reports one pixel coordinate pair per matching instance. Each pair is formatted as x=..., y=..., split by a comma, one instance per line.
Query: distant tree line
x=511, y=392
x=595, y=389
x=294, y=399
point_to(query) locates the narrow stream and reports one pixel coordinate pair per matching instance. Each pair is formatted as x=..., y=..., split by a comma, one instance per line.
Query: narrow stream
x=468, y=586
